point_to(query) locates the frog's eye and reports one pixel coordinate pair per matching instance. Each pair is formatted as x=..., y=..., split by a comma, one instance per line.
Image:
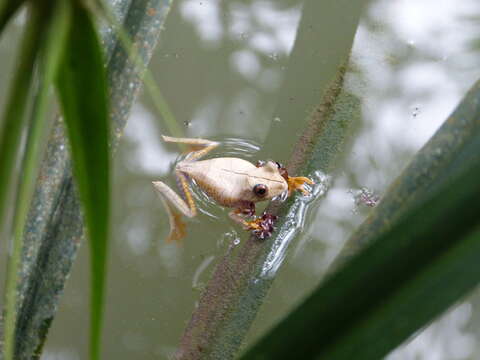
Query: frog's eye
x=278, y=165
x=260, y=190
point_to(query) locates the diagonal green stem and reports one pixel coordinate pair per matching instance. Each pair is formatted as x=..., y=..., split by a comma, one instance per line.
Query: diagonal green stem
x=407, y=275
x=154, y=92
x=422, y=240
x=240, y=282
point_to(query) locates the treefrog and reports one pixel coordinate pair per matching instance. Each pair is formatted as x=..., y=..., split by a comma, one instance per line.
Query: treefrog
x=231, y=182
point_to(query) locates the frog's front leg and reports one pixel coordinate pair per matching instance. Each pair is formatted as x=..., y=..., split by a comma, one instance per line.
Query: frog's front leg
x=176, y=206
x=244, y=209
x=261, y=226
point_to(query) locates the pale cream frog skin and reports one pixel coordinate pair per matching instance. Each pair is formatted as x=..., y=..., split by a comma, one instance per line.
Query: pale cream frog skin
x=231, y=182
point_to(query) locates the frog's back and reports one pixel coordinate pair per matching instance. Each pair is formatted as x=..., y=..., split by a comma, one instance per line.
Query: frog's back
x=223, y=179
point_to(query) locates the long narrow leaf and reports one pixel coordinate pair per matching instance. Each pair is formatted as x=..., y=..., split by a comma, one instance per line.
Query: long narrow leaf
x=13, y=116
x=153, y=90
x=54, y=228
x=49, y=60
x=399, y=283
x=83, y=93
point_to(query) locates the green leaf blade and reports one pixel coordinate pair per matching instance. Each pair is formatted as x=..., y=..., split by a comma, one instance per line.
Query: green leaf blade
x=10, y=133
x=50, y=53
x=8, y=8
x=13, y=117
x=399, y=283
x=83, y=93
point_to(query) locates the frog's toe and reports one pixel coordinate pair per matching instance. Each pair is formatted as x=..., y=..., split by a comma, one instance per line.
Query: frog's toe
x=264, y=226
x=177, y=228
x=297, y=182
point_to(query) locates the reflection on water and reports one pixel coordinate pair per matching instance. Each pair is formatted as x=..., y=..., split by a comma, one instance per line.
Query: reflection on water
x=294, y=224
x=222, y=79
x=446, y=339
x=242, y=148
x=196, y=283
x=60, y=354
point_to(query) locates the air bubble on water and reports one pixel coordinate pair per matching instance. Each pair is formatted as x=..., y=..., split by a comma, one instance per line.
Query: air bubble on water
x=230, y=237
x=277, y=119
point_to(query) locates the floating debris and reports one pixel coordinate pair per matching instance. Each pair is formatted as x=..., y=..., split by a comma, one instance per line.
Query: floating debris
x=364, y=196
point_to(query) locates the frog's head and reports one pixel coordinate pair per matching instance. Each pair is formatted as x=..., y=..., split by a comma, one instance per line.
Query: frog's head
x=266, y=181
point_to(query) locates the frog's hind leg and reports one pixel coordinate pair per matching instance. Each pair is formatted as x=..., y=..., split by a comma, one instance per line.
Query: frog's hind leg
x=186, y=194
x=176, y=206
x=199, y=147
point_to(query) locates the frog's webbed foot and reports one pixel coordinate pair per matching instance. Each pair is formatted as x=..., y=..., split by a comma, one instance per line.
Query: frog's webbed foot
x=294, y=182
x=261, y=227
x=175, y=207
x=177, y=227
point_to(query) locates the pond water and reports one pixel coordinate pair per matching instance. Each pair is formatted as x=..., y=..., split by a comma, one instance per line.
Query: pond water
x=222, y=66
